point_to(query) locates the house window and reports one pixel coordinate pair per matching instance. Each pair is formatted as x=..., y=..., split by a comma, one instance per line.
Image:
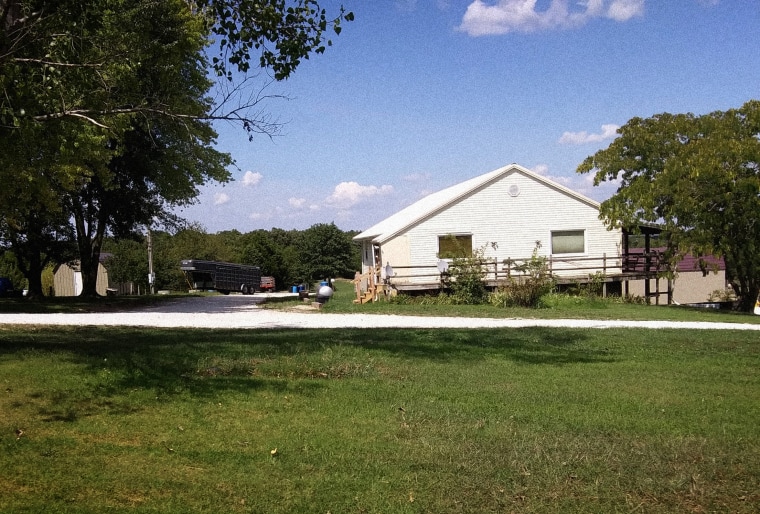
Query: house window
x=452, y=246
x=568, y=241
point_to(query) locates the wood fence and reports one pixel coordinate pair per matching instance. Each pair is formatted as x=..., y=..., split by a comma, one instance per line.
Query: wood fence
x=562, y=269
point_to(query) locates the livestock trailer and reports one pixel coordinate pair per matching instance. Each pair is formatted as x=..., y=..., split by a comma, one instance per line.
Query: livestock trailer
x=222, y=276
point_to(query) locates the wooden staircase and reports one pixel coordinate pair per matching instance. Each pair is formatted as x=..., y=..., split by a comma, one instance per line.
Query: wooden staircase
x=374, y=288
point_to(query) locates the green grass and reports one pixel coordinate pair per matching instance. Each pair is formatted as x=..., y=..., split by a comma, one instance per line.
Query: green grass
x=559, y=306
x=380, y=421
x=76, y=304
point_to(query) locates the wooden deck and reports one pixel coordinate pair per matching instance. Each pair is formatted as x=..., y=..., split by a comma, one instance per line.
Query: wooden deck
x=613, y=272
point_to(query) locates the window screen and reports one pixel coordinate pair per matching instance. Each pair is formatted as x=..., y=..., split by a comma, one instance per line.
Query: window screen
x=568, y=241
x=452, y=246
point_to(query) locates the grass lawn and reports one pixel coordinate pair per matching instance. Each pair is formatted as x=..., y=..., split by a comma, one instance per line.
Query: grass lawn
x=378, y=421
x=557, y=306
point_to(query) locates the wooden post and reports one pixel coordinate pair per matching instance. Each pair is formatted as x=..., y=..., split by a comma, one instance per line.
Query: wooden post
x=670, y=291
x=657, y=291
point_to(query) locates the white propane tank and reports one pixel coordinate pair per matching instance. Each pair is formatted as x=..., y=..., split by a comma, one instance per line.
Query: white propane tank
x=324, y=293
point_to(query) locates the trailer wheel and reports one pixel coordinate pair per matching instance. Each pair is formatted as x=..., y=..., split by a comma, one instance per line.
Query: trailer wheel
x=245, y=289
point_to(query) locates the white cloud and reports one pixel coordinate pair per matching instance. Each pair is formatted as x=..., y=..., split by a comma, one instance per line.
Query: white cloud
x=348, y=194
x=624, y=10
x=609, y=131
x=297, y=203
x=221, y=198
x=504, y=16
x=251, y=179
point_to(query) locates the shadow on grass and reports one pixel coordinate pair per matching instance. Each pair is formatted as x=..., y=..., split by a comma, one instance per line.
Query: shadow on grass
x=169, y=359
x=207, y=363
x=539, y=346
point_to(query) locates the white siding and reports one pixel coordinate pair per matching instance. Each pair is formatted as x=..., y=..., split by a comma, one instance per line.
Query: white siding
x=515, y=223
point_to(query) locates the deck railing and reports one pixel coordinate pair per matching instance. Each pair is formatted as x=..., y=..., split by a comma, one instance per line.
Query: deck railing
x=495, y=271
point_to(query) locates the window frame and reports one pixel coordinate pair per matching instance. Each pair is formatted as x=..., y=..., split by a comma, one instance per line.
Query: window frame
x=457, y=237
x=569, y=233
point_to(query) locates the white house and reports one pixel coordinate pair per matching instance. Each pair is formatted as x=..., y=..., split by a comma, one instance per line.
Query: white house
x=505, y=212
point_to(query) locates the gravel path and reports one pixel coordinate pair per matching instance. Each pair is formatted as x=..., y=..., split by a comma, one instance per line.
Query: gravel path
x=237, y=311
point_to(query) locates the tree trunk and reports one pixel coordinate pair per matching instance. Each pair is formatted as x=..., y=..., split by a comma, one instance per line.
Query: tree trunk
x=89, y=241
x=748, y=297
x=31, y=266
x=34, y=278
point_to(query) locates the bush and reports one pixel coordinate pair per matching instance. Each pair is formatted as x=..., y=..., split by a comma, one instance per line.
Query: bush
x=439, y=299
x=465, y=279
x=526, y=290
x=522, y=293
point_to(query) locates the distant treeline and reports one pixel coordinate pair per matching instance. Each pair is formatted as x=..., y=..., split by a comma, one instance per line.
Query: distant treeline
x=290, y=256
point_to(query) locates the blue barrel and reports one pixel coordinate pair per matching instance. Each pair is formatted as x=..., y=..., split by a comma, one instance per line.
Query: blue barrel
x=294, y=289
x=324, y=283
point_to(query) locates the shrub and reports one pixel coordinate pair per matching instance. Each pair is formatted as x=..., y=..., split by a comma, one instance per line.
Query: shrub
x=465, y=278
x=439, y=299
x=526, y=290
x=722, y=295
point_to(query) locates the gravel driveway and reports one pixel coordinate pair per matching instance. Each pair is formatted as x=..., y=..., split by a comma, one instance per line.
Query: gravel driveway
x=237, y=311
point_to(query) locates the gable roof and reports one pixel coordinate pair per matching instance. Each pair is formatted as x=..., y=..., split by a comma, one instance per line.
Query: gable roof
x=442, y=199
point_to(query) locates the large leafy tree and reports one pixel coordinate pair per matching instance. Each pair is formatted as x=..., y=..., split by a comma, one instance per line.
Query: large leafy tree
x=325, y=251
x=699, y=176
x=116, y=94
x=125, y=168
x=55, y=54
x=267, y=251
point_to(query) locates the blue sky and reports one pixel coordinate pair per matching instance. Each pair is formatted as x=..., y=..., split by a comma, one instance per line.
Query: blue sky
x=417, y=95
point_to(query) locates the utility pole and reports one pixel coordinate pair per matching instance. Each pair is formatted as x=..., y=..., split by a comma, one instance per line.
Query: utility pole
x=151, y=275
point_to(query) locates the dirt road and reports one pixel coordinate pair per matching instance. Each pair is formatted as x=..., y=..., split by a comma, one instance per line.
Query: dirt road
x=238, y=311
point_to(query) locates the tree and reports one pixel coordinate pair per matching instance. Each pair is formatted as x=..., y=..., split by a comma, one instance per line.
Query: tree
x=699, y=176
x=324, y=252
x=99, y=83
x=54, y=52
x=275, y=259
x=33, y=225
x=127, y=262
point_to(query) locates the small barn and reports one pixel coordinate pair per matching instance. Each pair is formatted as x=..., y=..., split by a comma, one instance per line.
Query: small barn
x=67, y=279
x=691, y=285
x=506, y=212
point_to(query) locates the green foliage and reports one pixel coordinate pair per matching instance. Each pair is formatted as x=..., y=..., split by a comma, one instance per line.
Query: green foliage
x=282, y=32
x=697, y=175
x=465, y=278
x=592, y=288
x=325, y=251
x=426, y=299
x=128, y=262
x=722, y=295
x=527, y=289
x=277, y=252
x=9, y=269
x=115, y=96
